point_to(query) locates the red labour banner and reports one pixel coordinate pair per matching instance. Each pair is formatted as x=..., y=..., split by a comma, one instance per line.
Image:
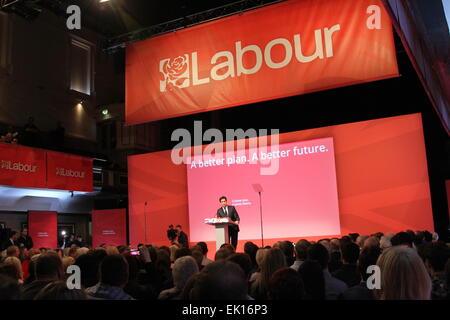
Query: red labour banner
x=109, y=227
x=22, y=166
x=286, y=49
x=69, y=172
x=42, y=227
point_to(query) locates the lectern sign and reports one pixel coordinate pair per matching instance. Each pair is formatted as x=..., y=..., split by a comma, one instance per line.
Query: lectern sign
x=285, y=49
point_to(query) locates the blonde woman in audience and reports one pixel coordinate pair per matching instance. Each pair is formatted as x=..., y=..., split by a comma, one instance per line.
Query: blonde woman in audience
x=260, y=255
x=403, y=275
x=274, y=259
x=81, y=251
x=385, y=242
x=15, y=262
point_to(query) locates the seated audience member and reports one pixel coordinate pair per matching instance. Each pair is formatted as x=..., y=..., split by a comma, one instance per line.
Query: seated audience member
x=9, y=288
x=173, y=249
x=427, y=236
x=139, y=291
x=403, y=275
x=12, y=251
x=17, y=266
x=385, y=242
x=260, y=255
x=183, y=269
x=286, y=284
x=436, y=256
x=112, y=250
x=274, y=260
x=371, y=241
x=301, y=248
x=335, y=255
x=325, y=243
x=204, y=248
x=288, y=250
x=89, y=264
x=244, y=261
x=182, y=252
x=344, y=240
x=402, y=239
x=163, y=269
x=48, y=268
x=349, y=272
x=220, y=280
x=229, y=247
x=250, y=248
x=222, y=254
x=113, y=277
x=367, y=257
x=353, y=236
x=360, y=240
x=197, y=254
x=314, y=283
x=186, y=294
x=333, y=287
x=57, y=290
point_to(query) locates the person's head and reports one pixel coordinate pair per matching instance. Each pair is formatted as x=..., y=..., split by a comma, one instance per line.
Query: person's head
x=274, y=260
x=353, y=236
x=367, y=257
x=81, y=251
x=360, y=240
x=197, y=254
x=15, y=262
x=112, y=250
x=434, y=236
x=67, y=261
x=173, y=249
x=89, y=266
x=182, y=252
x=286, y=284
x=203, y=246
x=372, y=241
x=32, y=252
x=403, y=275
x=12, y=251
x=9, y=288
x=335, y=245
x=260, y=256
x=57, y=290
x=436, y=256
x=171, y=226
x=49, y=266
x=385, y=242
x=220, y=280
x=222, y=254
x=250, y=248
x=228, y=246
x=223, y=201
x=179, y=227
x=325, y=243
x=182, y=270
x=288, y=250
x=403, y=239
x=350, y=253
x=311, y=273
x=114, y=270
x=427, y=236
x=319, y=253
x=244, y=261
x=24, y=232
x=301, y=249
x=14, y=235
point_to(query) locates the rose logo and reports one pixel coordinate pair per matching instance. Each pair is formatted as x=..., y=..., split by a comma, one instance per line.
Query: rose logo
x=175, y=71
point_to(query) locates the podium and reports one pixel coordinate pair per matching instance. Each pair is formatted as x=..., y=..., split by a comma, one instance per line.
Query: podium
x=221, y=226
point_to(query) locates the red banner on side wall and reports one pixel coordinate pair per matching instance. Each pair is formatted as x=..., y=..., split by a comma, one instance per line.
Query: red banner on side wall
x=43, y=228
x=109, y=227
x=286, y=49
x=69, y=172
x=22, y=166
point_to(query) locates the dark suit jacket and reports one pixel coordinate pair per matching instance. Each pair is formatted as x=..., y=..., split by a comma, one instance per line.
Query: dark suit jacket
x=232, y=213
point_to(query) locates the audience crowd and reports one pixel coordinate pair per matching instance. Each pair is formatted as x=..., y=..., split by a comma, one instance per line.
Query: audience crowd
x=411, y=266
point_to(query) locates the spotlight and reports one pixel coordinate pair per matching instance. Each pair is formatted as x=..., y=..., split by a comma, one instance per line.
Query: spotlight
x=63, y=233
x=105, y=112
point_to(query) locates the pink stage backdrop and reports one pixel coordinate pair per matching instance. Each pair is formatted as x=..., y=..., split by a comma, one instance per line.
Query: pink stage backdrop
x=299, y=197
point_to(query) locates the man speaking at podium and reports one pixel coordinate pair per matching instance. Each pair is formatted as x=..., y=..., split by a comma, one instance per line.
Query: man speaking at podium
x=230, y=212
